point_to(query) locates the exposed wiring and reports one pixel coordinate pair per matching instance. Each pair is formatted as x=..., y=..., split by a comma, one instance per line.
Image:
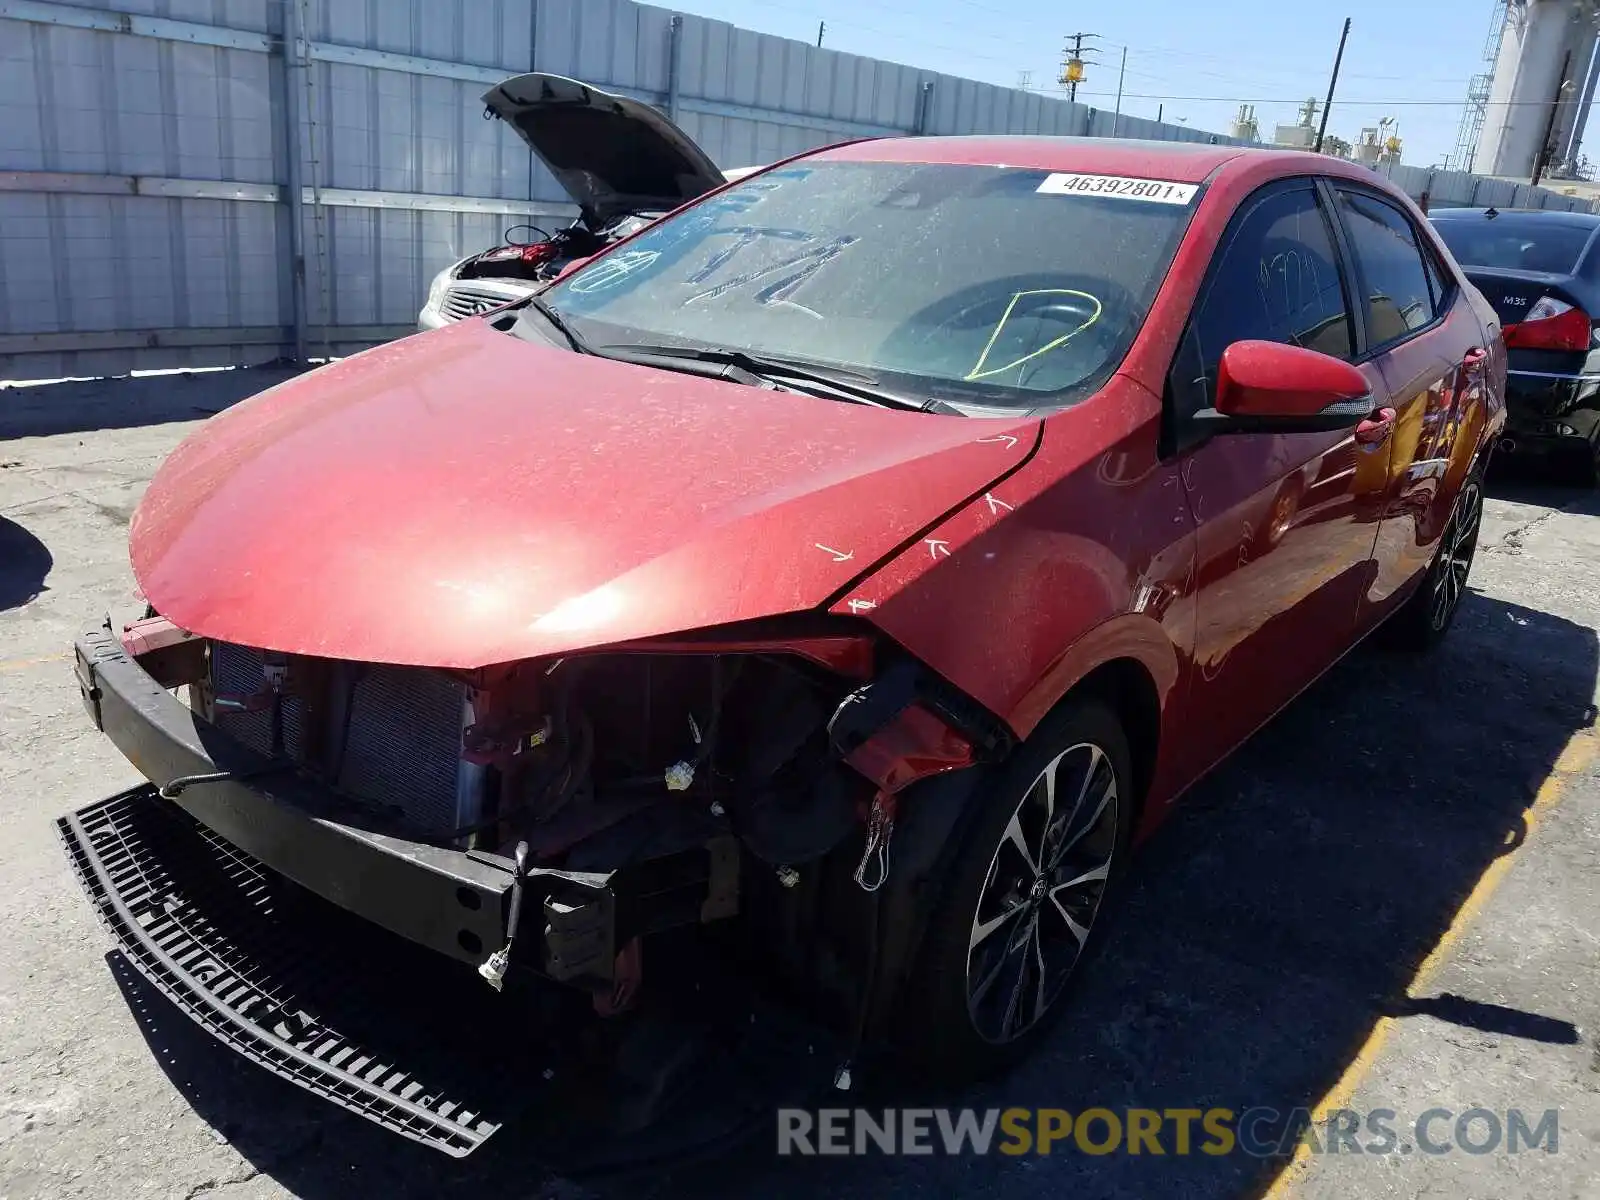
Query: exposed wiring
x=869, y=987
x=173, y=788
x=510, y=229
x=565, y=777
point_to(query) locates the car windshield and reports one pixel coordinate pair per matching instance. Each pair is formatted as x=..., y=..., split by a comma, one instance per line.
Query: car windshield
x=990, y=285
x=1518, y=243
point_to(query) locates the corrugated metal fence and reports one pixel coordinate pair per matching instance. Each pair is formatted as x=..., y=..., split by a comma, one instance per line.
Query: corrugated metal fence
x=1457, y=189
x=164, y=164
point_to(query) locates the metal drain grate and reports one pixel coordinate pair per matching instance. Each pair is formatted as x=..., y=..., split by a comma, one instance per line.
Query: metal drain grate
x=211, y=928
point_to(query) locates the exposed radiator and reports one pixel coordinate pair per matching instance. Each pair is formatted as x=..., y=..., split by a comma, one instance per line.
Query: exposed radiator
x=403, y=749
x=236, y=670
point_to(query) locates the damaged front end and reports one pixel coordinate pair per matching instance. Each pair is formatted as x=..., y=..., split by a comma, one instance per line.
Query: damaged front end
x=551, y=819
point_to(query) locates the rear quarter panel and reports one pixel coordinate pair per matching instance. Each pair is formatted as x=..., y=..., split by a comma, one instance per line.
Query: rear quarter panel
x=1486, y=401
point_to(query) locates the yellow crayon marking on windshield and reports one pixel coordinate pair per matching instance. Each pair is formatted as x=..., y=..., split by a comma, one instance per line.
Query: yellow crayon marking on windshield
x=978, y=372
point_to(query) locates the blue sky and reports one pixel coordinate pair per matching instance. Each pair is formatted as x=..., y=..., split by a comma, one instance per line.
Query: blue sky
x=1408, y=59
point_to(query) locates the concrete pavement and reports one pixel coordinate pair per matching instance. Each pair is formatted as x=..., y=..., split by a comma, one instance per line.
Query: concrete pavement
x=1268, y=954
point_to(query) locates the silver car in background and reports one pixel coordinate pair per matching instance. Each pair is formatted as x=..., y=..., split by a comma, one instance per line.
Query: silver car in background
x=623, y=164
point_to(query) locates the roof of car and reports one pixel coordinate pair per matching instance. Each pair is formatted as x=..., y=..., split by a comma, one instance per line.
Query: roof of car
x=1183, y=162
x=1586, y=220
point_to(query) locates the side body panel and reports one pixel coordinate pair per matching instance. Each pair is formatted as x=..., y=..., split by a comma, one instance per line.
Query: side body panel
x=1438, y=406
x=1089, y=552
x=1436, y=382
x=1084, y=555
x=1285, y=534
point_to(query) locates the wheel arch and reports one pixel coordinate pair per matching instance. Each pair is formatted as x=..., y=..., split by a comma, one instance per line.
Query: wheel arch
x=1128, y=688
x=1131, y=663
x=942, y=811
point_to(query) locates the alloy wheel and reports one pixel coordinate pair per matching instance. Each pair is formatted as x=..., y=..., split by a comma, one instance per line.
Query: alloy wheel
x=1042, y=892
x=1455, y=554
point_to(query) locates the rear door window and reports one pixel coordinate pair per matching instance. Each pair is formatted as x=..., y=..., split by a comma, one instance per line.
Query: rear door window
x=1389, y=262
x=1439, y=279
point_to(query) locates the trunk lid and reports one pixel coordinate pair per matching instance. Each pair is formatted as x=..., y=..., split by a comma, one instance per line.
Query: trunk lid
x=464, y=497
x=1513, y=295
x=614, y=155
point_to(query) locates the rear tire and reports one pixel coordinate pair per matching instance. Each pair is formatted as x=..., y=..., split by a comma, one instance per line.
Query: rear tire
x=1424, y=619
x=1025, y=899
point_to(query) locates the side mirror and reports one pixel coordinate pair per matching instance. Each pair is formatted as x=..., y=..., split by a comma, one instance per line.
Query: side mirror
x=1268, y=387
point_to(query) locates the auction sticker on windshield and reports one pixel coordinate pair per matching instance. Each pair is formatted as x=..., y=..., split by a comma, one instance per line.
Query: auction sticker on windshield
x=1161, y=191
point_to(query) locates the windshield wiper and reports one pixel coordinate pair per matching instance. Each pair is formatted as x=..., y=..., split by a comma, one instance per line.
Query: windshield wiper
x=559, y=323
x=842, y=382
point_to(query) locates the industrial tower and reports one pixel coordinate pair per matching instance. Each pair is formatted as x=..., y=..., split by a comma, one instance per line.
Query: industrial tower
x=1543, y=83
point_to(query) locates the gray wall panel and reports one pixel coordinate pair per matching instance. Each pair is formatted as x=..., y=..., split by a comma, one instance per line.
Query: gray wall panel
x=651, y=65
x=23, y=72
x=27, y=269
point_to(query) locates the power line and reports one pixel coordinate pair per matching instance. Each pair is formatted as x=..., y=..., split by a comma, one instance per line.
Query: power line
x=851, y=23
x=1301, y=99
x=1144, y=53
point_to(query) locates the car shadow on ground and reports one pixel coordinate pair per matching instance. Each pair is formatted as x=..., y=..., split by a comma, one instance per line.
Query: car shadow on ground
x=78, y=405
x=1545, y=482
x=1281, y=911
x=25, y=563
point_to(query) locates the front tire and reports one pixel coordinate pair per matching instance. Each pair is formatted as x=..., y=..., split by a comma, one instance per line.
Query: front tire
x=1025, y=897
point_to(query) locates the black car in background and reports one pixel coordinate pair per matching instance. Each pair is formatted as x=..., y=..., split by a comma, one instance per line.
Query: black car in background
x=1541, y=271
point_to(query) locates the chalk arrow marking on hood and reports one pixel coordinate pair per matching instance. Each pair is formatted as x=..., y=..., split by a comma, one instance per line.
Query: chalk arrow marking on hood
x=1003, y=437
x=937, y=547
x=838, y=555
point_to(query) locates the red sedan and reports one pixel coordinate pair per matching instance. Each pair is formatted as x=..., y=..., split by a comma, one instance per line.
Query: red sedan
x=874, y=549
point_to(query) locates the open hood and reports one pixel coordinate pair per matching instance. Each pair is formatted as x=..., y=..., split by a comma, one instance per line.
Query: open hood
x=463, y=497
x=614, y=155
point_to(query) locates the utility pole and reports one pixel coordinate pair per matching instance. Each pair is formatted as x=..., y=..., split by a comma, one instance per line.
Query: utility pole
x=1332, y=80
x=1116, y=117
x=821, y=25
x=1072, y=68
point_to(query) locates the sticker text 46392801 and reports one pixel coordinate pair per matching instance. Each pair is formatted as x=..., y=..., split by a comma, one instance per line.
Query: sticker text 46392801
x=1158, y=191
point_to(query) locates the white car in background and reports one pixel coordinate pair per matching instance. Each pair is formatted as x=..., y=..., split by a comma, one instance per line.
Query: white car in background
x=623, y=163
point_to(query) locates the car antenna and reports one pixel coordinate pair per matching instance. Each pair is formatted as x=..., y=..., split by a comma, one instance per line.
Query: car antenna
x=1491, y=212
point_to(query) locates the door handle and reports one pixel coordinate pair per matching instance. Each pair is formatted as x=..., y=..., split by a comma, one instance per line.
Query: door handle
x=1375, y=428
x=1471, y=375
